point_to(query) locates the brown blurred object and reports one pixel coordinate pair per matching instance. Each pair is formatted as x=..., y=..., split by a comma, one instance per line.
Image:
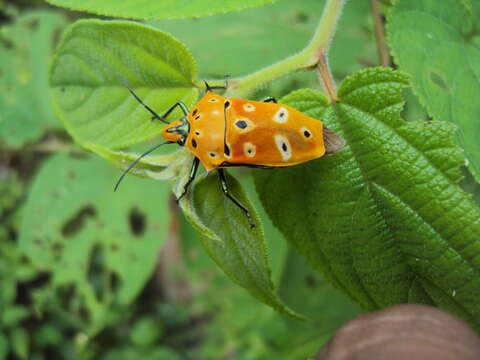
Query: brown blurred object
x=401, y=332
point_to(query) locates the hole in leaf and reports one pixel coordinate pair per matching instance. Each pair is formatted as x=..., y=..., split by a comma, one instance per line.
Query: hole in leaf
x=439, y=81
x=114, y=282
x=33, y=24
x=310, y=281
x=137, y=222
x=95, y=272
x=301, y=17
x=72, y=226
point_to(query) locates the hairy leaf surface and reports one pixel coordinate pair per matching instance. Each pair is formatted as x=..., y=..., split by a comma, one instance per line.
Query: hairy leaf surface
x=434, y=42
x=159, y=9
x=87, y=90
x=383, y=219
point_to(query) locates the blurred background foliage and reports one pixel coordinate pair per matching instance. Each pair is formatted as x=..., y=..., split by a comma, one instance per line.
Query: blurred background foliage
x=86, y=273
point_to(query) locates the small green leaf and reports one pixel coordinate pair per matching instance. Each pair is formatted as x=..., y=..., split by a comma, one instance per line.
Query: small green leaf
x=86, y=87
x=12, y=315
x=19, y=342
x=161, y=9
x=146, y=331
x=25, y=50
x=230, y=241
x=383, y=219
x=3, y=346
x=104, y=243
x=429, y=40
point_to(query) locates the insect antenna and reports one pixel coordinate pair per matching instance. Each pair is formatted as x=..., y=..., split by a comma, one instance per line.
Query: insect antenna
x=155, y=115
x=136, y=161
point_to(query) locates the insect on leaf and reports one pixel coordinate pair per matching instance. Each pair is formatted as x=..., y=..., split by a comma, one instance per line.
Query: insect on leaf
x=383, y=219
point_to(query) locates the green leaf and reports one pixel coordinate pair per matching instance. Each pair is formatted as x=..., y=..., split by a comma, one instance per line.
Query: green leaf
x=104, y=243
x=146, y=331
x=3, y=346
x=86, y=87
x=25, y=50
x=268, y=34
x=12, y=315
x=162, y=9
x=228, y=238
x=19, y=342
x=384, y=219
x=429, y=40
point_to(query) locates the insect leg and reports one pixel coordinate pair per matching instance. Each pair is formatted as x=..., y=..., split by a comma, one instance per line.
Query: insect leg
x=270, y=99
x=164, y=116
x=224, y=186
x=191, y=177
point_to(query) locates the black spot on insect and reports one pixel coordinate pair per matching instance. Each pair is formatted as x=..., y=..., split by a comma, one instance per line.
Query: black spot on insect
x=249, y=151
x=194, y=143
x=284, y=147
x=212, y=155
x=227, y=104
x=197, y=133
x=226, y=150
x=197, y=117
x=307, y=134
x=241, y=124
x=282, y=114
x=194, y=112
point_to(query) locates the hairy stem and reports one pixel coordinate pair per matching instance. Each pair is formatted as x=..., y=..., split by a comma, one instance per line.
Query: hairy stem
x=380, y=34
x=307, y=59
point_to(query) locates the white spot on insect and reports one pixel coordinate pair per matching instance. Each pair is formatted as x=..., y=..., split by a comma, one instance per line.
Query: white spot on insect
x=215, y=112
x=283, y=146
x=281, y=116
x=213, y=100
x=249, y=149
x=306, y=133
x=215, y=136
x=248, y=107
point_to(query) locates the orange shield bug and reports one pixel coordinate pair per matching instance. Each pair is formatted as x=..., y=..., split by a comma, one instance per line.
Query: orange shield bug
x=226, y=132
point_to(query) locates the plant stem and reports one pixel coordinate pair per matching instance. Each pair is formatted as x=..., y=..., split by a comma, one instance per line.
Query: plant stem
x=380, y=34
x=307, y=59
x=326, y=78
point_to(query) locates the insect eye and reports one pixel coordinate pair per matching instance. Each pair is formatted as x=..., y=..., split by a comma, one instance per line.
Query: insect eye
x=306, y=133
